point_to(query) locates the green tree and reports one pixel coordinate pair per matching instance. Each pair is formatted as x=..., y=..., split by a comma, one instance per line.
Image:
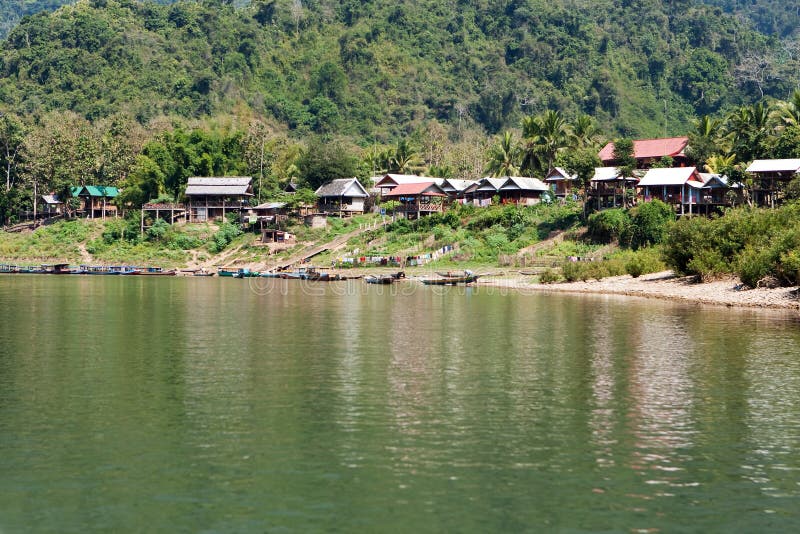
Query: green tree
x=325, y=161
x=626, y=163
x=503, y=157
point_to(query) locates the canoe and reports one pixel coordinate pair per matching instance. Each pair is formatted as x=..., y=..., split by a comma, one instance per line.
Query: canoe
x=451, y=281
x=372, y=279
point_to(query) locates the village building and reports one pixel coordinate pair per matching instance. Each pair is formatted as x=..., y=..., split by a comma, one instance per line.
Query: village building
x=96, y=201
x=418, y=199
x=650, y=151
x=684, y=189
x=482, y=192
x=51, y=206
x=563, y=183
x=389, y=181
x=456, y=189
x=522, y=191
x=771, y=177
x=608, y=187
x=211, y=198
x=343, y=197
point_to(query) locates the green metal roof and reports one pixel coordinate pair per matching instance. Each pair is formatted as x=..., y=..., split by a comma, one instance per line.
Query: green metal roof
x=96, y=191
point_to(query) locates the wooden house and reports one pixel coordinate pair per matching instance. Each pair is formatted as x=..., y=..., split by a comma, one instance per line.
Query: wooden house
x=482, y=191
x=96, y=201
x=418, y=199
x=563, y=183
x=771, y=177
x=456, y=189
x=266, y=214
x=211, y=198
x=681, y=187
x=389, y=181
x=649, y=151
x=607, y=187
x=343, y=197
x=51, y=205
x=522, y=191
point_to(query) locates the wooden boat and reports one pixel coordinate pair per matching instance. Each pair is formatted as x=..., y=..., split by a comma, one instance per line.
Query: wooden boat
x=245, y=273
x=58, y=268
x=266, y=274
x=97, y=270
x=156, y=271
x=372, y=279
x=453, y=274
x=450, y=281
x=203, y=272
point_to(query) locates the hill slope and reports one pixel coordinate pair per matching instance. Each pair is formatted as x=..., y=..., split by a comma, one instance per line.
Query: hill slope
x=377, y=69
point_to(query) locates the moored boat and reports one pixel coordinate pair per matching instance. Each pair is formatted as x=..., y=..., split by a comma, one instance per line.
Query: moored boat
x=155, y=271
x=372, y=279
x=450, y=281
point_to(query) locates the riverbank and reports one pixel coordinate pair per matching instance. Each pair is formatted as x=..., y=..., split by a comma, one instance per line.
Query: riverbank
x=665, y=285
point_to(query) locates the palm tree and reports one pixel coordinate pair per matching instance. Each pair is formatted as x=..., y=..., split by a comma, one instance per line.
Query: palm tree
x=503, y=157
x=704, y=140
x=748, y=128
x=717, y=163
x=545, y=135
x=405, y=157
x=584, y=131
x=789, y=112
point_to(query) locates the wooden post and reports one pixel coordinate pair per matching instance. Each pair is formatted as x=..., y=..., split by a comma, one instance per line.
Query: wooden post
x=142, y=223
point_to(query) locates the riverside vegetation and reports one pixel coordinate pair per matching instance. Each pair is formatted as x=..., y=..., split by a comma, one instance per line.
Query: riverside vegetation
x=641, y=240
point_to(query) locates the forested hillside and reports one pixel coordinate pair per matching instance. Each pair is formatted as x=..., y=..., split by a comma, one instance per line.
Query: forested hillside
x=375, y=70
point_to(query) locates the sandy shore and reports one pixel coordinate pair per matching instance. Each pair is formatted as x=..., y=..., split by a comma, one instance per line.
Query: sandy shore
x=665, y=285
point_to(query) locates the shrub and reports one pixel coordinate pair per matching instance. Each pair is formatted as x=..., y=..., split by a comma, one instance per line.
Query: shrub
x=607, y=226
x=227, y=232
x=644, y=261
x=684, y=239
x=548, y=276
x=158, y=230
x=649, y=223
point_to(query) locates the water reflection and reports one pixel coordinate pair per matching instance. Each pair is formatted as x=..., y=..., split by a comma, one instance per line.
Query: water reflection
x=203, y=404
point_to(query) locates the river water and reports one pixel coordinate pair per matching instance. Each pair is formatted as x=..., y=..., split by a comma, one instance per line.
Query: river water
x=223, y=405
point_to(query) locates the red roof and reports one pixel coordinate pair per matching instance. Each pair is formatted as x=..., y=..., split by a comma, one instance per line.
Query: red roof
x=419, y=188
x=650, y=148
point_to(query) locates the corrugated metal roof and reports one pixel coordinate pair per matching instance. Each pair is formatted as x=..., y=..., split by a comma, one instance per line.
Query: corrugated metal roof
x=391, y=180
x=218, y=186
x=456, y=185
x=558, y=174
x=219, y=180
x=490, y=184
x=670, y=176
x=340, y=187
x=605, y=174
x=426, y=188
x=523, y=184
x=100, y=191
x=270, y=206
x=650, y=148
x=51, y=199
x=775, y=165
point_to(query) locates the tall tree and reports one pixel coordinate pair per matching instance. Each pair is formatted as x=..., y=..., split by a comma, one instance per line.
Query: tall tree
x=626, y=163
x=504, y=157
x=12, y=136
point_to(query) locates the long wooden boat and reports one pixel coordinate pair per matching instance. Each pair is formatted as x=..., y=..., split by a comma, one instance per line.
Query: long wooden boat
x=155, y=271
x=228, y=273
x=450, y=281
x=372, y=279
x=96, y=270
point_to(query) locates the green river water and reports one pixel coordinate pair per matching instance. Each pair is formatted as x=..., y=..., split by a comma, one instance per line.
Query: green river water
x=131, y=404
